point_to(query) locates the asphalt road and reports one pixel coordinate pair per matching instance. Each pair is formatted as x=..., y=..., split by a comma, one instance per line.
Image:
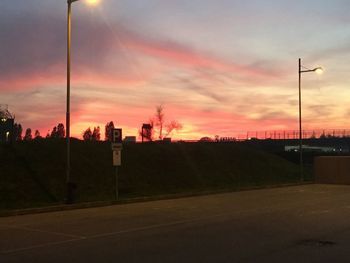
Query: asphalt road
x=309, y=223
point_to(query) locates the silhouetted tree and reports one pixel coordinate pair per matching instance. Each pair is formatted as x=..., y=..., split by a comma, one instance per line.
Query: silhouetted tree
x=159, y=120
x=17, y=131
x=172, y=126
x=28, y=135
x=158, y=124
x=96, y=136
x=54, y=133
x=87, y=134
x=37, y=135
x=61, y=131
x=58, y=131
x=108, y=131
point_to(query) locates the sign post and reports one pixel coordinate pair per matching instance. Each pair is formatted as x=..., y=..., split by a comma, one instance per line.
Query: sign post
x=117, y=155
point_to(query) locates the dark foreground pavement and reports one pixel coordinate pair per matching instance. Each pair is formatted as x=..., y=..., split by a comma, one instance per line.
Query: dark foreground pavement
x=309, y=223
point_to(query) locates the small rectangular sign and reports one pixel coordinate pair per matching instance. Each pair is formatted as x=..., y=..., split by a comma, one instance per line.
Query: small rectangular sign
x=116, y=146
x=117, y=158
x=117, y=135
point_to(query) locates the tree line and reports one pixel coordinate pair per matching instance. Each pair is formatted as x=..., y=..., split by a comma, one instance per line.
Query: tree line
x=59, y=131
x=155, y=129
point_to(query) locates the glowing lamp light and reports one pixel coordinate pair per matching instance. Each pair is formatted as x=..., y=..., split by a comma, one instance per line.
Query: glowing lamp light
x=92, y=2
x=319, y=70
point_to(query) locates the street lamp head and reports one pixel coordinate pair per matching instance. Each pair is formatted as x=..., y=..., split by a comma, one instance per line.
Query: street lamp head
x=319, y=70
x=92, y=2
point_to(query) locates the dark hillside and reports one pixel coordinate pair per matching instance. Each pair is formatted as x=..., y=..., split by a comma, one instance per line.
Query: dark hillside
x=33, y=173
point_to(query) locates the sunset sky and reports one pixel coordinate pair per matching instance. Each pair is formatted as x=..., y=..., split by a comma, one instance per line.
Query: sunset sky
x=219, y=67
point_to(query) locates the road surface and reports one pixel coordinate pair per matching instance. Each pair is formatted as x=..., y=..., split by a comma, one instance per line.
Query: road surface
x=308, y=223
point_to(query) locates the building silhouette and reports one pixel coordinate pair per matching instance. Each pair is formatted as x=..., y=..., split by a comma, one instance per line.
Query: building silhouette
x=6, y=125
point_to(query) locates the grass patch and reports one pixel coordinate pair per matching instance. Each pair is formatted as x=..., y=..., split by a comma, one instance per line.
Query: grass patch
x=33, y=173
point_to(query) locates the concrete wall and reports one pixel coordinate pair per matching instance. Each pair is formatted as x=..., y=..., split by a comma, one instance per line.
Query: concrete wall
x=332, y=169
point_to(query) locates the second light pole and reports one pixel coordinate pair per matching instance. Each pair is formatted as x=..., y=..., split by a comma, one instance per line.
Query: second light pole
x=301, y=70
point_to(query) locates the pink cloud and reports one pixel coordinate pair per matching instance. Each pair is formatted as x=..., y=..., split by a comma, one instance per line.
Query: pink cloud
x=186, y=56
x=79, y=76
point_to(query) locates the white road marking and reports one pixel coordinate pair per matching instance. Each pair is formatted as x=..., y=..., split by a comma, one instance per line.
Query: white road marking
x=106, y=234
x=39, y=246
x=44, y=231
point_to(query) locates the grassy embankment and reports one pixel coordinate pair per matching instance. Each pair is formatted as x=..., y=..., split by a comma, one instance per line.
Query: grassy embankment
x=33, y=173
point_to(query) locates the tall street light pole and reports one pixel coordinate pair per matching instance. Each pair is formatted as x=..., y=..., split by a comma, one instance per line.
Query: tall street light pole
x=300, y=71
x=69, y=197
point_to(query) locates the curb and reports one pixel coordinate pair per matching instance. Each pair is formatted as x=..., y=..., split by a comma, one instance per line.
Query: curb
x=65, y=207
